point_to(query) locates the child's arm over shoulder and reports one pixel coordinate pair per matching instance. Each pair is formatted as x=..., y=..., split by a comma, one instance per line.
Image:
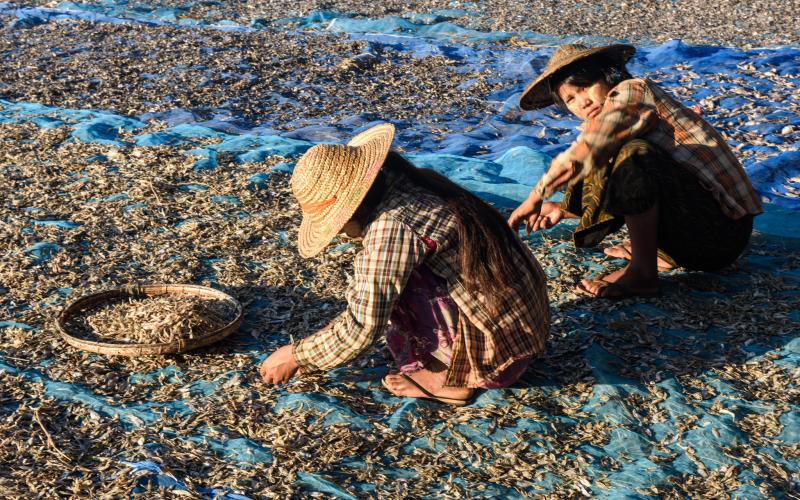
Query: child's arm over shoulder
x=628, y=112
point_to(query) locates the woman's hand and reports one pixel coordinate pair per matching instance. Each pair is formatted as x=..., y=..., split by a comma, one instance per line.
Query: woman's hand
x=527, y=211
x=279, y=367
x=550, y=215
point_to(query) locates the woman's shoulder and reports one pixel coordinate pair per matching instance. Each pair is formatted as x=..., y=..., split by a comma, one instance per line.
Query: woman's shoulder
x=631, y=85
x=407, y=197
x=424, y=212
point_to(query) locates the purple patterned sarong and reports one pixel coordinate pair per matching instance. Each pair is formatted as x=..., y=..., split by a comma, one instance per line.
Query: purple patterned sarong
x=424, y=324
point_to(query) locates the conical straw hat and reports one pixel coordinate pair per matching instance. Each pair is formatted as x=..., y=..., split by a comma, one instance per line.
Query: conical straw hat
x=331, y=180
x=537, y=95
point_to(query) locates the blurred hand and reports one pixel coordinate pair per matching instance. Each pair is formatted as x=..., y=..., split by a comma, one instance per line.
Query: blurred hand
x=550, y=215
x=279, y=367
x=529, y=209
x=561, y=170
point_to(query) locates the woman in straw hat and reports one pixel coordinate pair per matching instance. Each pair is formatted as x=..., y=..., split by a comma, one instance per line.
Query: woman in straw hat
x=461, y=301
x=643, y=160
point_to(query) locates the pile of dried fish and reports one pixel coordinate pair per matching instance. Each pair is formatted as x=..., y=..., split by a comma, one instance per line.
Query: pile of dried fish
x=154, y=319
x=730, y=22
x=174, y=224
x=281, y=79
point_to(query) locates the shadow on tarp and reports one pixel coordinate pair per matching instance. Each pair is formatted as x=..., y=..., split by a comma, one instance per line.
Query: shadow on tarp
x=287, y=305
x=627, y=358
x=636, y=316
x=636, y=443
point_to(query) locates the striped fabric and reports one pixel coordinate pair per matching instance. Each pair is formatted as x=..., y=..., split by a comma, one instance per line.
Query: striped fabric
x=393, y=246
x=638, y=108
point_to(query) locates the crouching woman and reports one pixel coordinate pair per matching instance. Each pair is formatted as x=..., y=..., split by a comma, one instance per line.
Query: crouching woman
x=643, y=160
x=462, y=303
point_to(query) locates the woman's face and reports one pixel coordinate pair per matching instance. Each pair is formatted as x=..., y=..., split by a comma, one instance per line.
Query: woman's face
x=584, y=102
x=353, y=229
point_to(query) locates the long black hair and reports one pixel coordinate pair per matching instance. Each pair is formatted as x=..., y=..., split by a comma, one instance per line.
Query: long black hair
x=584, y=73
x=486, y=243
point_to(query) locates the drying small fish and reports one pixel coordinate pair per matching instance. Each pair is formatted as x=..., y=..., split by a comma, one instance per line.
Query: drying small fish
x=156, y=319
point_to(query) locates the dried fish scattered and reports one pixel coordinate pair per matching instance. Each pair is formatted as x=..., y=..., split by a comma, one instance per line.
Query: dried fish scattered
x=729, y=22
x=286, y=80
x=181, y=234
x=695, y=384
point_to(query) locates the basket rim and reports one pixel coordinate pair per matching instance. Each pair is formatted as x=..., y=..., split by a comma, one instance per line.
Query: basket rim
x=149, y=290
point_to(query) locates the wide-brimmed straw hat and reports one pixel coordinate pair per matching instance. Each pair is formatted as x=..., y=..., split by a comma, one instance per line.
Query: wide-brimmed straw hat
x=331, y=180
x=538, y=95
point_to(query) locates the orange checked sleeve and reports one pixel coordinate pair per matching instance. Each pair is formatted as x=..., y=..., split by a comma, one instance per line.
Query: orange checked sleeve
x=629, y=111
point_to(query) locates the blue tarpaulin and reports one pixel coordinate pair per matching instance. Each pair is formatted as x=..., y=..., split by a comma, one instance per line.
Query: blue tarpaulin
x=696, y=428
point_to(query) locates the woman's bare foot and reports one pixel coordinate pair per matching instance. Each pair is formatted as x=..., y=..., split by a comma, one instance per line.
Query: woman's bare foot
x=623, y=251
x=625, y=282
x=433, y=382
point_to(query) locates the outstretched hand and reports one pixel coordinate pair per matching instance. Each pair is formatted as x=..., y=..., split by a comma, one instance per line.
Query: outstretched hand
x=532, y=211
x=545, y=216
x=550, y=215
x=527, y=211
x=279, y=367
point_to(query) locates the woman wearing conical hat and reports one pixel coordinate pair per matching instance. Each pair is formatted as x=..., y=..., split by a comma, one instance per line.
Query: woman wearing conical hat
x=642, y=160
x=461, y=302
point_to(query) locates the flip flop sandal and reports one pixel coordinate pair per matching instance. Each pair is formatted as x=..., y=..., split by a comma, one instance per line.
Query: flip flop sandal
x=428, y=395
x=616, y=291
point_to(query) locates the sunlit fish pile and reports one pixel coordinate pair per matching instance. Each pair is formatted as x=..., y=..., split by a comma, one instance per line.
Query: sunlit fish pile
x=154, y=319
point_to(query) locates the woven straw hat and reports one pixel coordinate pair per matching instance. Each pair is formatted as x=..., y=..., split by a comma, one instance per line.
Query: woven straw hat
x=537, y=95
x=331, y=180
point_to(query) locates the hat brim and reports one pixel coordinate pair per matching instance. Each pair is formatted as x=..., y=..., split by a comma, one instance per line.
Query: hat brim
x=537, y=95
x=314, y=236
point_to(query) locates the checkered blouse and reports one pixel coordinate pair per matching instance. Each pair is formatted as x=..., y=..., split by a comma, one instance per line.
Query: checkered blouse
x=393, y=246
x=638, y=108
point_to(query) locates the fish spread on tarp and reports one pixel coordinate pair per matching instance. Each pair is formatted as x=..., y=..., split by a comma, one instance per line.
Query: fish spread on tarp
x=698, y=387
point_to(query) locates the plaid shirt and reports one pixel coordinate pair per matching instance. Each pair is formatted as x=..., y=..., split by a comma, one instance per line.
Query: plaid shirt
x=638, y=108
x=393, y=246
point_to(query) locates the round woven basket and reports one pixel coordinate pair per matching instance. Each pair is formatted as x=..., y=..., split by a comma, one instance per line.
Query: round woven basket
x=131, y=349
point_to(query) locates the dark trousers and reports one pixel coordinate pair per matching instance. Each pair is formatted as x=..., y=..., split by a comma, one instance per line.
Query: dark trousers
x=693, y=231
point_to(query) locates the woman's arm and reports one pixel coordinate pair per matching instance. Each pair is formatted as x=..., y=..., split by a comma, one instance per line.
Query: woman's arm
x=530, y=210
x=629, y=111
x=391, y=251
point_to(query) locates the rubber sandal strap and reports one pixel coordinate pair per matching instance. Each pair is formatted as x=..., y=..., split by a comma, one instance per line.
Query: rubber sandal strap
x=422, y=389
x=431, y=396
